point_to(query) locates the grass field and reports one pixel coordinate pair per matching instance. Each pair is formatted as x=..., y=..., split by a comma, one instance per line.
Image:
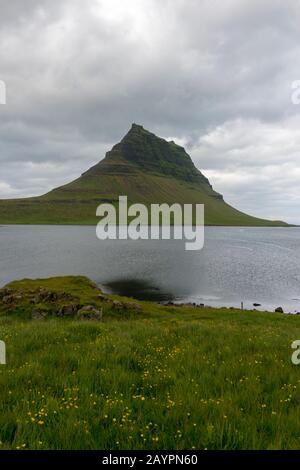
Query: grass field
x=158, y=378
x=77, y=202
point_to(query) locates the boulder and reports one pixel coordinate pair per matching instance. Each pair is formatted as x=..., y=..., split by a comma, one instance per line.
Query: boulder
x=39, y=314
x=18, y=297
x=8, y=299
x=89, y=312
x=5, y=292
x=68, y=310
x=8, y=296
x=126, y=306
x=133, y=306
x=44, y=296
x=102, y=297
x=279, y=310
x=40, y=297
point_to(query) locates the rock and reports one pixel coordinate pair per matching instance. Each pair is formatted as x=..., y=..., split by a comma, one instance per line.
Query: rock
x=18, y=297
x=89, y=312
x=51, y=297
x=279, y=310
x=133, y=306
x=8, y=299
x=39, y=314
x=65, y=296
x=44, y=296
x=127, y=306
x=8, y=296
x=41, y=296
x=5, y=292
x=102, y=297
x=68, y=310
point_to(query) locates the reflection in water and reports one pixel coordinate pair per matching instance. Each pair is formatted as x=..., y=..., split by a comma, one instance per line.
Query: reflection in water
x=250, y=265
x=138, y=289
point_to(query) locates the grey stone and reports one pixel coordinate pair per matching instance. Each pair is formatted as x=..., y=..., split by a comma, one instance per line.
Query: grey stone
x=89, y=312
x=68, y=310
x=279, y=310
x=38, y=314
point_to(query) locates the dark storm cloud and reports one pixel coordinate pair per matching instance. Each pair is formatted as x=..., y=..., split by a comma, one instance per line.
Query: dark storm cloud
x=215, y=76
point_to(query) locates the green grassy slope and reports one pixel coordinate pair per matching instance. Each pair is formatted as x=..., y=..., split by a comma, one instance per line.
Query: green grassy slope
x=163, y=378
x=142, y=166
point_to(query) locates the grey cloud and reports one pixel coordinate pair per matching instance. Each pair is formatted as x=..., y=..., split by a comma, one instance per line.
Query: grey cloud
x=78, y=73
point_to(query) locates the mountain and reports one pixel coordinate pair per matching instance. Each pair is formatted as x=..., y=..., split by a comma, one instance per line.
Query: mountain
x=142, y=166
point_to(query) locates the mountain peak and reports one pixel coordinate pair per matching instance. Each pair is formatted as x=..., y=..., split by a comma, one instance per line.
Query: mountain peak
x=136, y=126
x=135, y=130
x=146, y=152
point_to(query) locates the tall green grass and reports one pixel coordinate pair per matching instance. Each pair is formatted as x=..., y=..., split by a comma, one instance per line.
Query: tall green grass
x=176, y=378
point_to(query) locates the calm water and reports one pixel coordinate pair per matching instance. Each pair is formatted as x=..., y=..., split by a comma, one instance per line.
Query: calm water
x=254, y=265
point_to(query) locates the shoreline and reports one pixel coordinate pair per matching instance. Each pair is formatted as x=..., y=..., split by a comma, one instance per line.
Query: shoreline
x=18, y=294
x=77, y=224
x=227, y=307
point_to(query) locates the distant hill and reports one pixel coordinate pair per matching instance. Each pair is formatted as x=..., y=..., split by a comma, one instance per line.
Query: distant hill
x=142, y=166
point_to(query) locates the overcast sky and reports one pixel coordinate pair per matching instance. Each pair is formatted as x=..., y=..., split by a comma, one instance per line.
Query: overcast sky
x=214, y=76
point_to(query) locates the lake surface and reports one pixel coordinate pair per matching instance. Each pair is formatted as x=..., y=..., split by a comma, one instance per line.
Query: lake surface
x=253, y=265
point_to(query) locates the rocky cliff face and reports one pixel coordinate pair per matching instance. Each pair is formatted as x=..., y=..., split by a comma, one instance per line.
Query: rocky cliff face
x=143, y=150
